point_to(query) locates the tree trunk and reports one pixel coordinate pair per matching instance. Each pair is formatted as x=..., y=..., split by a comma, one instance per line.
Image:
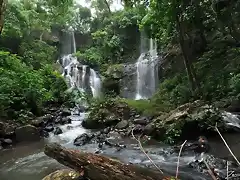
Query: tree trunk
x=108, y=6
x=3, y=4
x=185, y=50
x=96, y=167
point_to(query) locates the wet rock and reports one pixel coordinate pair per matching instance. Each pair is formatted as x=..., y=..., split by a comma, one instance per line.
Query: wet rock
x=40, y=121
x=149, y=129
x=106, y=130
x=58, y=120
x=218, y=166
x=81, y=109
x=100, y=145
x=98, y=151
x=69, y=127
x=108, y=143
x=64, y=174
x=188, y=121
x=27, y=133
x=58, y=131
x=65, y=120
x=137, y=116
x=122, y=125
x=2, y=128
x=107, y=113
x=44, y=133
x=7, y=141
x=101, y=138
x=82, y=139
x=141, y=120
x=66, y=112
x=9, y=131
x=234, y=106
x=138, y=129
x=49, y=128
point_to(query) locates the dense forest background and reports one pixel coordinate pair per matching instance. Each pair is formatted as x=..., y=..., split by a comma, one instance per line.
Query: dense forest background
x=198, y=40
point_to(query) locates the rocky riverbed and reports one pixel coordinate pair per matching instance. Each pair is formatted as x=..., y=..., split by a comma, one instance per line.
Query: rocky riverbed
x=114, y=139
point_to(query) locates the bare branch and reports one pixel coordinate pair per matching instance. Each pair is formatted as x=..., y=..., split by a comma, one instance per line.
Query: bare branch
x=210, y=171
x=227, y=170
x=227, y=145
x=142, y=149
x=179, y=157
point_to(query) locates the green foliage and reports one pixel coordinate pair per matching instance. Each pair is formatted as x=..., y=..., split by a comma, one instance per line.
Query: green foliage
x=144, y=107
x=115, y=38
x=37, y=53
x=235, y=84
x=218, y=72
x=24, y=89
x=172, y=92
x=106, y=111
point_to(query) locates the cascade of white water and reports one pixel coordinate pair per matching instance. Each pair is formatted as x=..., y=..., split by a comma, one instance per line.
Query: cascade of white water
x=84, y=71
x=76, y=74
x=95, y=83
x=74, y=42
x=147, y=72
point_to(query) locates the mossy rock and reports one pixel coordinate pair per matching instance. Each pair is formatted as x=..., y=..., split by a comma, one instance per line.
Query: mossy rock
x=64, y=174
x=115, y=71
x=110, y=85
x=106, y=112
x=187, y=121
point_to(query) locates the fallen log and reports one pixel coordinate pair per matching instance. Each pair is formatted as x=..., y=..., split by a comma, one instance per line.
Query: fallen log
x=96, y=167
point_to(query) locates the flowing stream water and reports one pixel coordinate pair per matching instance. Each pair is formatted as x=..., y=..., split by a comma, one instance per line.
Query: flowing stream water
x=28, y=162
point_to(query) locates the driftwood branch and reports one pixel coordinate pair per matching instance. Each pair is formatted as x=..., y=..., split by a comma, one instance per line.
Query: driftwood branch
x=142, y=149
x=96, y=167
x=178, y=162
x=229, y=149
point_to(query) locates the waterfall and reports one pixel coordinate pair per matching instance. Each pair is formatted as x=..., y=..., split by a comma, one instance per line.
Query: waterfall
x=78, y=75
x=95, y=83
x=147, y=73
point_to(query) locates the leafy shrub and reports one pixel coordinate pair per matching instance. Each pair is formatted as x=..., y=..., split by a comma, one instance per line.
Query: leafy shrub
x=37, y=53
x=22, y=88
x=235, y=84
x=172, y=92
x=54, y=83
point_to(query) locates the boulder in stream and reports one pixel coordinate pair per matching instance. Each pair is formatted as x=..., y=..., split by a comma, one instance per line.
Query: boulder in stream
x=49, y=128
x=66, y=112
x=82, y=139
x=6, y=142
x=40, y=121
x=141, y=120
x=65, y=120
x=58, y=131
x=106, y=113
x=27, y=133
x=187, y=121
x=122, y=125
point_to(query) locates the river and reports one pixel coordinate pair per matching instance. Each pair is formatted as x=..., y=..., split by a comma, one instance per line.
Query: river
x=28, y=162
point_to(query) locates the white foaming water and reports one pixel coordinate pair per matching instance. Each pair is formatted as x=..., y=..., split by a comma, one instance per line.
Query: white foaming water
x=147, y=72
x=231, y=119
x=95, y=83
x=78, y=75
x=70, y=131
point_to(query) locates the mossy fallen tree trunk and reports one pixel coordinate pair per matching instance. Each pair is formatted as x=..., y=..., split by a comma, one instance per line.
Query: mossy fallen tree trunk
x=96, y=167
